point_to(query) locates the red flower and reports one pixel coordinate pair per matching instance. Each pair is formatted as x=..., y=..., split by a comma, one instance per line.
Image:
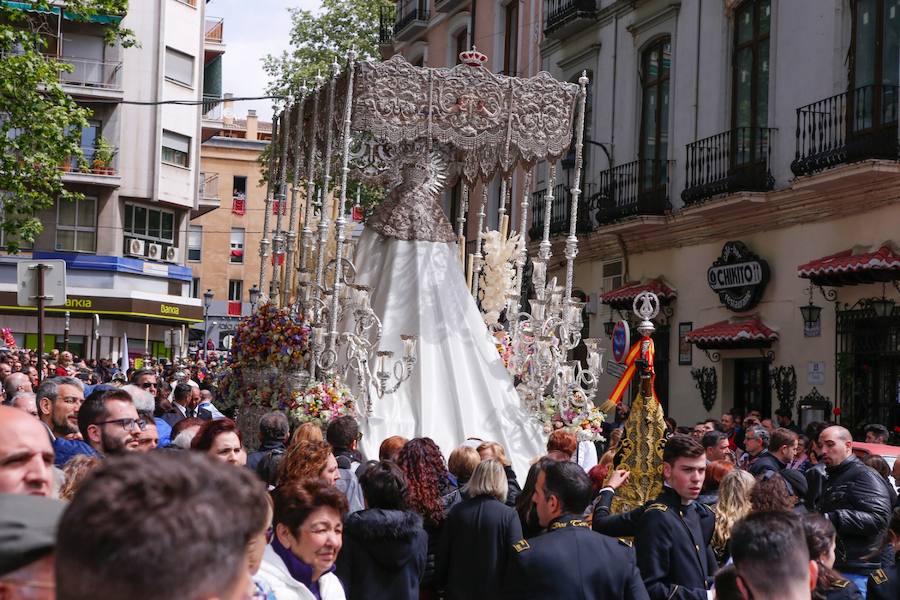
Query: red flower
x=836, y=411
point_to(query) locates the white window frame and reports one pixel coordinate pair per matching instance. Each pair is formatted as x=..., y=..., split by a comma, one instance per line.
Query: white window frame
x=234, y=245
x=172, y=58
x=77, y=228
x=178, y=146
x=197, y=230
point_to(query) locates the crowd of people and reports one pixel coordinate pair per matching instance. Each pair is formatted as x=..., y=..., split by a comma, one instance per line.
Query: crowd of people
x=142, y=488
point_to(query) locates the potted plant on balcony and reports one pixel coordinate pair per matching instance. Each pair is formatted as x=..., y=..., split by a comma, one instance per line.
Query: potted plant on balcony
x=103, y=155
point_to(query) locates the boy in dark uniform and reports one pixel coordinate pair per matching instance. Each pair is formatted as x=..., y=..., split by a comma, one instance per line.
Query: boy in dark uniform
x=570, y=560
x=673, y=533
x=884, y=583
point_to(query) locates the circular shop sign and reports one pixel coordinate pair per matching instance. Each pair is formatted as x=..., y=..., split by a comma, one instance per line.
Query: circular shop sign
x=621, y=341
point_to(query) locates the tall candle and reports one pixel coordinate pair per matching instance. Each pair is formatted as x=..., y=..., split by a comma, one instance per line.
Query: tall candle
x=504, y=227
x=469, y=269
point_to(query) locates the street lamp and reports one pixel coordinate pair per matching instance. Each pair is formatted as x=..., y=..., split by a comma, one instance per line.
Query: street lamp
x=810, y=312
x=883, y=307
x=207, y=302
x=254, y=296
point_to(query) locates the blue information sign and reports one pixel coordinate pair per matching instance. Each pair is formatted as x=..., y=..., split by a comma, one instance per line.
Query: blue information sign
x=621, y=341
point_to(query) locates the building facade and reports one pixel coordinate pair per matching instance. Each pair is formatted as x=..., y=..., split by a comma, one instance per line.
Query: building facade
x=743, y=162
x=224, y=234
x=124, y=243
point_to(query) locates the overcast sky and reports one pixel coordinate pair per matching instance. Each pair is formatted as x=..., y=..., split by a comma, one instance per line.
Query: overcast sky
x=253, y=29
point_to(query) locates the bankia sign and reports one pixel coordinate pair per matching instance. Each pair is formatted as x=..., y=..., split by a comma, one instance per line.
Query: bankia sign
x=738, y=276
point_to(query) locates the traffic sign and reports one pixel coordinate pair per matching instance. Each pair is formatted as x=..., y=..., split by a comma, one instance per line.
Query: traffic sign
x=621, y=341
x=54, y=274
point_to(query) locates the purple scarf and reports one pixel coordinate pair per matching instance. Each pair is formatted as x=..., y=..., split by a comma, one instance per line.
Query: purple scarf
x=298, y=569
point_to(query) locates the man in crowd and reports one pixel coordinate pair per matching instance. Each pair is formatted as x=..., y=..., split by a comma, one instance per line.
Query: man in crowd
x=26, y=401
x=343, y=435
x=145, y=403
x=855, y=499
x=570, y=560
x=5, y=369
x=715, y=445
x=815, y=475
x=875, y=433
x=109, y=535
x=785, y=419
x=206, y=403
x=147, y=380
x=26, y=456
x=110, y=423
x=755, y=443
x=148, y=438
x=735, y=434
x=27, y=539
x=771, y=558
x=15, y=383
x=778, y=455
x=274, y=431
x=58, y=401
x=186, y=400
x=673, y=533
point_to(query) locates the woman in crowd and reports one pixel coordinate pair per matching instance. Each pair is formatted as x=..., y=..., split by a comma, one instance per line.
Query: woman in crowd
x=390, y=448
x=562, y=441
x=308, y=521
x=478, y=538
x=732, y=506
x=76, y=469
x=494, y=450
x=461, y=464
x=715, y=472
x=801, y=460
x=385, y=546
x=256, y=547
x=430, y=494
x=882, y=468
x=307, y=432
x=308, y=460
x=221, y=439
x=820, y=537
x=771, y=494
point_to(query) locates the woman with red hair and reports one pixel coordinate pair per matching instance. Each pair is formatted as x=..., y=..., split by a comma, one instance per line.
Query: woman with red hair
x=715, y=473
x=431, y=494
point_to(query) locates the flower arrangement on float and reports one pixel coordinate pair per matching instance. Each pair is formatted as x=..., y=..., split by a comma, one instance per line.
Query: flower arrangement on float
x=321, y=402
x=270, y=351
x=586, y=421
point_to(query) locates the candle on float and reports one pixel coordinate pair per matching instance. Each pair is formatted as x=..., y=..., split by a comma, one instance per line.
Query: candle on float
x=504, y=227
x=469, y=269
x=461, y=242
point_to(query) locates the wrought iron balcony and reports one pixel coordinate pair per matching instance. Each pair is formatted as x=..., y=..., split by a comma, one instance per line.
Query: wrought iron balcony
x=559, y=211
x=856, y=125
x=387, y=16
x=565, y=17
x=738, y=160
x=447, y=6
x=411, y=23
x=636, y=188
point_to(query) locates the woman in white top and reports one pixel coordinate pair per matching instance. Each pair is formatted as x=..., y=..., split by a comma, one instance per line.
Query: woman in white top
x=309, y=522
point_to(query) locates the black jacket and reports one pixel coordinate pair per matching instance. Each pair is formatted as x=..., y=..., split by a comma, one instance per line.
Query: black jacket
x=571, y=562
x=615, y=525
x=765, y=461
x=475, y=549
x=383, y=555
x=673, y=551
x=512, y=487
x=450, y=496
x=884, y=583
x=265, y=448
x=815, y=483
x=174, y=416
x=855, y=499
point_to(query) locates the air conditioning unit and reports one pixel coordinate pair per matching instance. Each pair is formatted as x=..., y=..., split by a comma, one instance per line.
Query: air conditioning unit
x=154, y=251
x=172, y=254
x=134, y=247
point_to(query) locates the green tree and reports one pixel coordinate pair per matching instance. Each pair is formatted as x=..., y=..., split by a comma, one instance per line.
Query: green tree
x=39, y=123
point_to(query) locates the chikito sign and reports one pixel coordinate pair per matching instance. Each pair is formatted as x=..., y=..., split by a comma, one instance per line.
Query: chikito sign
x=738, y=276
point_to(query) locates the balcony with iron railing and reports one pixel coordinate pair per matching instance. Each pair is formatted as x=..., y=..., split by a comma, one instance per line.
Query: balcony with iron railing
x=856, y=125
x=565, y=17
x=637, y=188
x=387, y=16
x=411, y=23
x=212, y=107
x=207, y=194
x=560, y=210
x=738, y=160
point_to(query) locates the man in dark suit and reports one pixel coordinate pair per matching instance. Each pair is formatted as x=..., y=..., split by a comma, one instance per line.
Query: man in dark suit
x=674, y=531
x=186, y=400
x=570, y=560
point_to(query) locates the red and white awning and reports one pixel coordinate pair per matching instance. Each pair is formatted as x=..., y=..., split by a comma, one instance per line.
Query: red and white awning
x=624, y=296
x=854, y=266
x=735, y=333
